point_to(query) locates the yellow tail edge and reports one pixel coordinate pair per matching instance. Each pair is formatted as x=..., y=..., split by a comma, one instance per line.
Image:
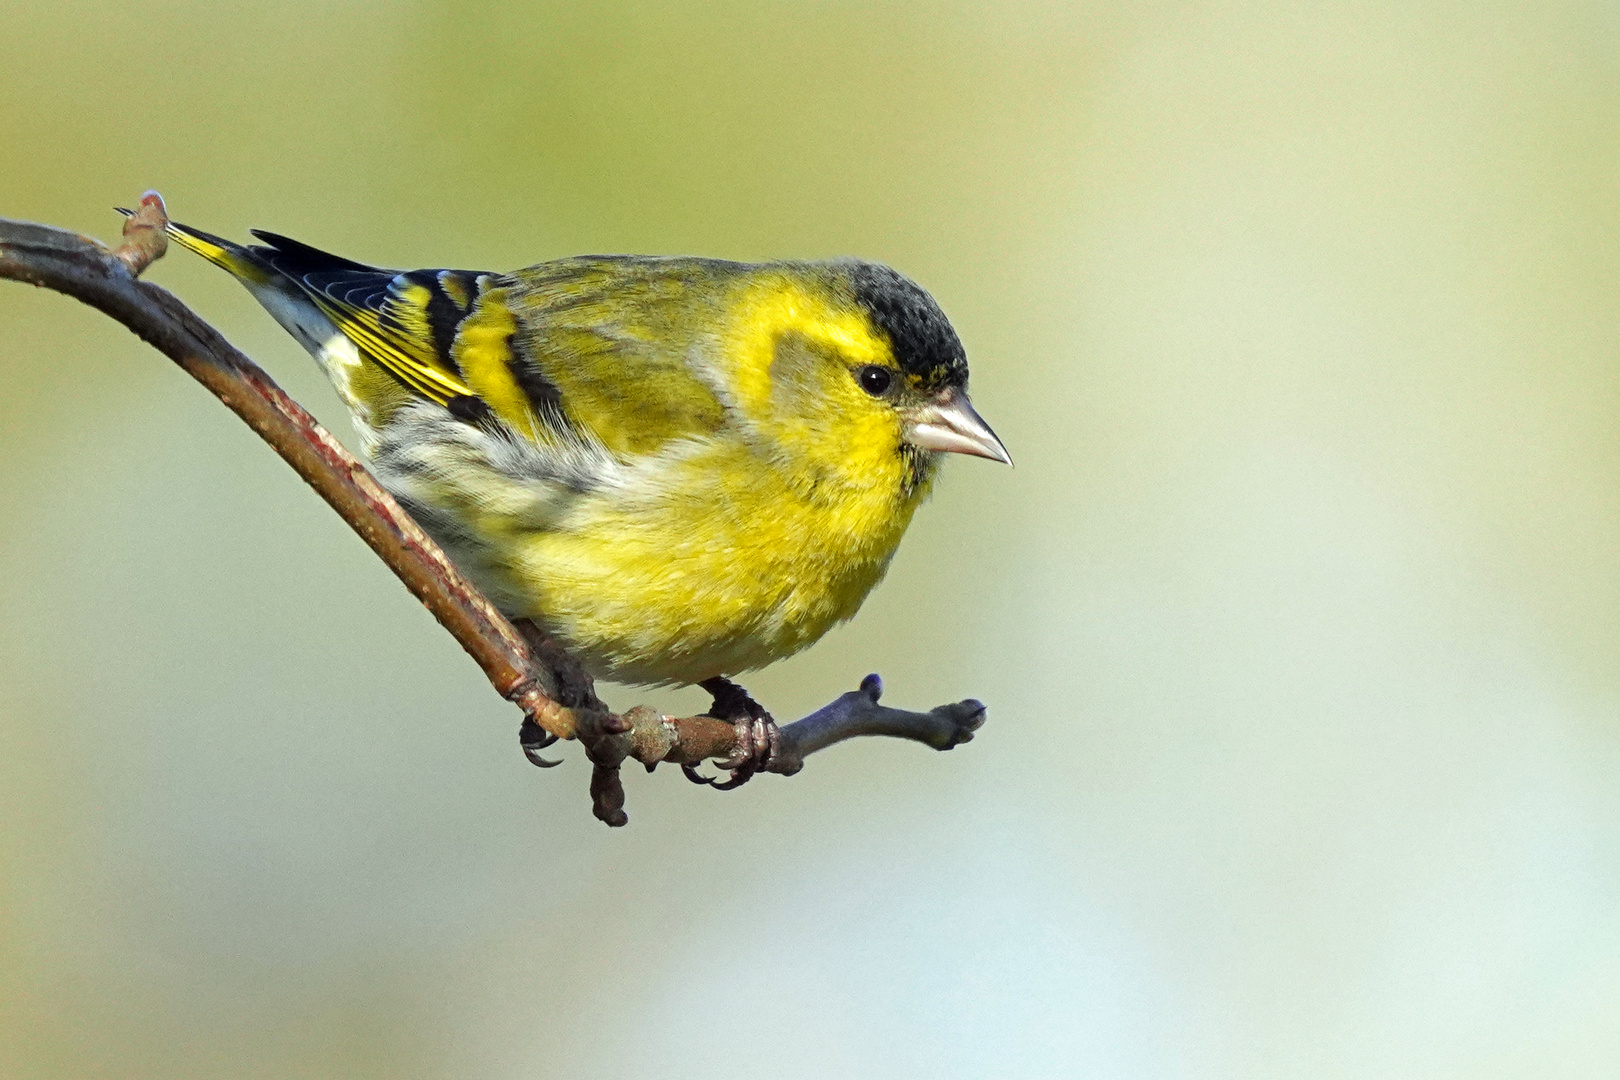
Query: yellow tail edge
x=232, y=258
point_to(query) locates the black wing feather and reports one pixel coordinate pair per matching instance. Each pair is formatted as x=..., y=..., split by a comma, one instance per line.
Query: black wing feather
x=361, y=287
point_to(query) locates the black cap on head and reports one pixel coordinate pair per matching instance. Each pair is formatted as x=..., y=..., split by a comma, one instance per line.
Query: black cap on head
x=925, y=346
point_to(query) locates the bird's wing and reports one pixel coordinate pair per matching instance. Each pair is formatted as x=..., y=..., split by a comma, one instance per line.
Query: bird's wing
x=441, y=335
x=446, y=335
x=398, y=319
x=595, y=348
x=616, y=338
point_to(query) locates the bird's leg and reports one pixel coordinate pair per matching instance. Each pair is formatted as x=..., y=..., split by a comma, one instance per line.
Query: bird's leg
x=574, y=688
x=758, y=736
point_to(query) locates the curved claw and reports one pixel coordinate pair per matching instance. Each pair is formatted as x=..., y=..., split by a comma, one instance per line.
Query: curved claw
x=739, y=777
x=698, y=778
x=536, y=759
x=758, y=737
x=534, y=738
x=532, y=734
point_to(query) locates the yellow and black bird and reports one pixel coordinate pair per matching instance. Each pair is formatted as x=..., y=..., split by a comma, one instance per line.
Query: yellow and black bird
x=679, y=468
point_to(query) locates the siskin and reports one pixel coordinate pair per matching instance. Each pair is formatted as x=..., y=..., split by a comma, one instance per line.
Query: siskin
x=679, y=468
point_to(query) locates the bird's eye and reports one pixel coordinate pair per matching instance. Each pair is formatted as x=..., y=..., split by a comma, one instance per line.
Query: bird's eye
x=874, y=379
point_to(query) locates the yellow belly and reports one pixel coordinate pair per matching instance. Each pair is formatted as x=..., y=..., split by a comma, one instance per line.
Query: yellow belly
x=710, y=565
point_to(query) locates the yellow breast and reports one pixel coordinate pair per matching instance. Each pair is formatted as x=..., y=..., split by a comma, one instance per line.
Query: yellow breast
x=707, y=563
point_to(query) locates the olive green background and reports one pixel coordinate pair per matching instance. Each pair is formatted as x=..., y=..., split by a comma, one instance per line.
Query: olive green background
x=1298, y=619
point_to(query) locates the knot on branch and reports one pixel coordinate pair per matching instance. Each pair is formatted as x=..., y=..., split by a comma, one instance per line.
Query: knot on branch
x=146, y=235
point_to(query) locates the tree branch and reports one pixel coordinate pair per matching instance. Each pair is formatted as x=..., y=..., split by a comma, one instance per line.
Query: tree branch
x=557, y=698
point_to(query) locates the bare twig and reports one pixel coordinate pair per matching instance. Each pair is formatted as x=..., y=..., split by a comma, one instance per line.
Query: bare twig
x=556, y=696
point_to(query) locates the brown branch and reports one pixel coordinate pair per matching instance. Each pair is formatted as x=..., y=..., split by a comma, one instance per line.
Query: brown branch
x=556, y=696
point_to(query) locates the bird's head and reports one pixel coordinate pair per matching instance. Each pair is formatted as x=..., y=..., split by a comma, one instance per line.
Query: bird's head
x=857, y=374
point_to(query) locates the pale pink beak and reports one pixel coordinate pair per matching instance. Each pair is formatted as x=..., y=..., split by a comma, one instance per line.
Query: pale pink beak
x=949, y=424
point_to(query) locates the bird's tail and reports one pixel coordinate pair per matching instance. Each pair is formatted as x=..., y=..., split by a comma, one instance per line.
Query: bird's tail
x=239, y=261
x=291, y=306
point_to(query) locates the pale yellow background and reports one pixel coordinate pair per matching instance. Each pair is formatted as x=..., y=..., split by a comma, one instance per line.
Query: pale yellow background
x=1298, y=619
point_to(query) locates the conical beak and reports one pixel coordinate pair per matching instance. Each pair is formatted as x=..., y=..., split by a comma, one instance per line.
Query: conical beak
x=949, y=424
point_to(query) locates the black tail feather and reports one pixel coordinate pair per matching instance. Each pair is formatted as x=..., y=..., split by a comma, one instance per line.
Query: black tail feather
x=299, y=258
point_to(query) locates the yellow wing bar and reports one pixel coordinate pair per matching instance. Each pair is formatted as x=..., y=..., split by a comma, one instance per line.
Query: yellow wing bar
x=406, y=356
x=444, y=335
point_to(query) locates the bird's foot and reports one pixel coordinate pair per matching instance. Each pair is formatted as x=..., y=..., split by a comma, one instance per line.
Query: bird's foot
x=758, y=737
x=534, y=738
x=572, y=687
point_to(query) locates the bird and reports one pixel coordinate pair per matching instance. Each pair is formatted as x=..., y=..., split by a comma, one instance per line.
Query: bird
x=679, y=469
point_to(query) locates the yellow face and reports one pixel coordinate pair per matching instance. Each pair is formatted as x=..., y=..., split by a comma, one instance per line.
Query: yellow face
x=819, y=381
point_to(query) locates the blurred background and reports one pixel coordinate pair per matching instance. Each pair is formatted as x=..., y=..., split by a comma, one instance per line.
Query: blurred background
x=1298, y=620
